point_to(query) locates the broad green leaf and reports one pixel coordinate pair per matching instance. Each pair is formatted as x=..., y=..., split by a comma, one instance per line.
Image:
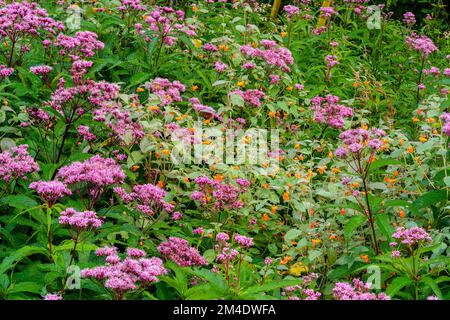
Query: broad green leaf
x=396, y=285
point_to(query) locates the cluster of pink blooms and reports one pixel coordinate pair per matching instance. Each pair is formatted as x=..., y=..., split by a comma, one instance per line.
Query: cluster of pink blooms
x=179, y=251
x=23, y=19
x=96, y=173
x=80, y=220
x=50, y=191
x=16, y=163
x=272, y=54
x=226, y=195
x=86, y=134
x=147, y=198
x=122, y=276
x=328, y=12
x=445, y=117
x=291, y=11
x=421, y=44
x=409, y=18
x=302, y=291
x=358, y=291
x=355, y=140
x=220, y=66
x=410, y=237
x=97, y=93
x=119, y=121
x=225, y=253
x=434, y=71
x=132, y=4
x=83, y=45
x=53, y=296
x=203, y=109
x=5, y=72
x=251, y=96
x=328, y=110
x=167, y=23
x=243, y=241
x=166, y=91
x=331, y=61
x=41, y=70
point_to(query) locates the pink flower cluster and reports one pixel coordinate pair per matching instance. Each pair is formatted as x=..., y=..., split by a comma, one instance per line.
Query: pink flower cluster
x=328, y=12
x=96, y=93
x=50, y=191
x=302, y=291
x=80, y=220
x=272, y=54
x=251, y=96
x=23, y=19
x=119, y=121
x=41, y=70
x=5, y=72
x=146, y=198
x=166, y=23
x=331, y=61
x=421, y=44
x=86, y=134
x=131, y=273
x=410, y=237
x=226, y=195
x=166, y=91
x=220, y=66
x=445, y=117
x=16, y=163
x=409, y=18
x=179, y=251
x=358, y=291
x=53, y=296
x=132, y=5
x=83, y=45
x=291, y=11
x=328, y=110
x=96, y=173
x=243, y=241
x=203, y=109
x=355, y=140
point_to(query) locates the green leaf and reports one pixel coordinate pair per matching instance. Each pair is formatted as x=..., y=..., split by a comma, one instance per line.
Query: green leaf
x=18, y=255
x=25, y=287
x=19, y=201
x=291, y=235
x=382, y=163
x=447, y=181
x=396, y=285
x=382, y=221
x=430, y=198
x=433, y=285
x=237, y=100
x=269, y=286
x=351, y=225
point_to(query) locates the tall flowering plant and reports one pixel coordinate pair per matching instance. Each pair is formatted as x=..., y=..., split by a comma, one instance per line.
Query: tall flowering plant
x=412, y=259
x=358, y=149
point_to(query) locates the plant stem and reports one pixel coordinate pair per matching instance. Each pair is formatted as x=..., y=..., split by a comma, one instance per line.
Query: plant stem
x=369, y=211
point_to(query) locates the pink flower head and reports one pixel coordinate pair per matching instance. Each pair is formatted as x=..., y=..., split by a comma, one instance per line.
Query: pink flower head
x=146, y=198
x=166, y=91
x=16, y=163
x=291, y=11
x=179, y=251
x=122, y=276
x=328, y=110
x=80, y=220
x=50, y=191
